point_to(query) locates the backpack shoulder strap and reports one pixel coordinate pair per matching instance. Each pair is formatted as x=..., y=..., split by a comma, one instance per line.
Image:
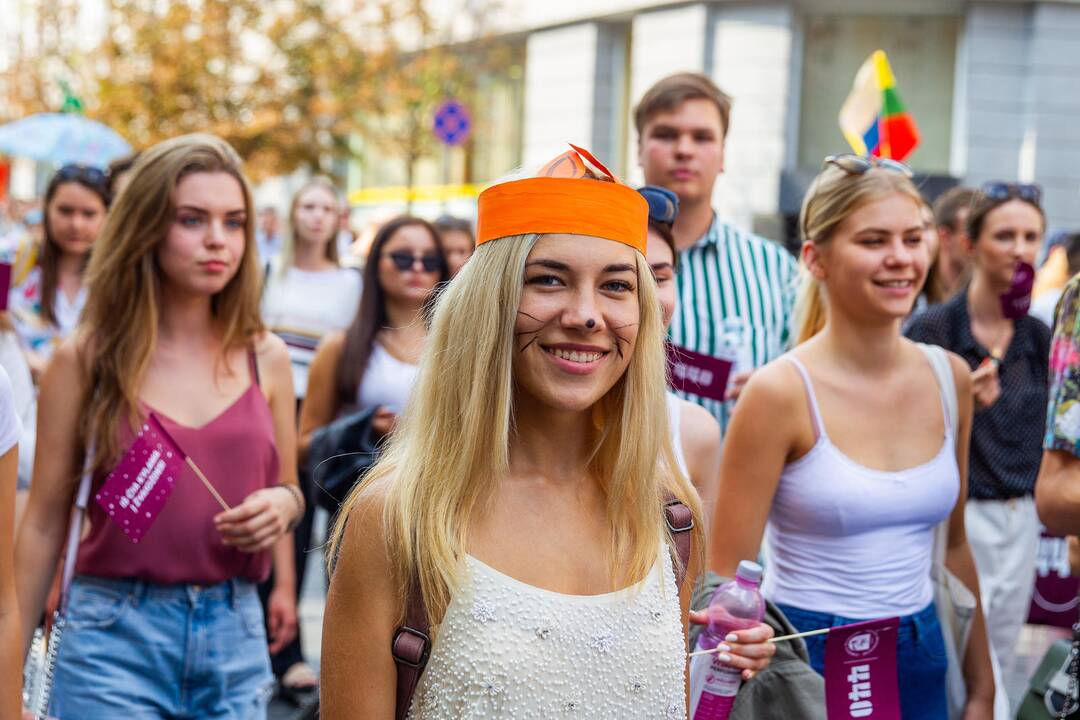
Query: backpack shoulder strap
x=680, y=521
x=410, y=649
x=412, y=641
x=939, y=361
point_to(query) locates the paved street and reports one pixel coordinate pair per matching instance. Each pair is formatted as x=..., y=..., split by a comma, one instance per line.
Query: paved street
x=311, y=614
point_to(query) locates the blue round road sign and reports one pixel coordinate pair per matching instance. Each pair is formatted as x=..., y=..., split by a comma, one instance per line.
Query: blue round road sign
x=452, y=123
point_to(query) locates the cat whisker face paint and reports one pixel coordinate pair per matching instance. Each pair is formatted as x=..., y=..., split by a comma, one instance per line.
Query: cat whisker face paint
x=579, y=313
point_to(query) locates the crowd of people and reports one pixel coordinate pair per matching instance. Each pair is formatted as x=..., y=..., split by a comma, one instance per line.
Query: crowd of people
x=534, y=518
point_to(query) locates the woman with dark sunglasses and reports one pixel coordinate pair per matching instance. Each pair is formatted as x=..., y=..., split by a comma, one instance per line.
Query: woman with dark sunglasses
x=1008, y=359
x=49, y=293
x=374, y=362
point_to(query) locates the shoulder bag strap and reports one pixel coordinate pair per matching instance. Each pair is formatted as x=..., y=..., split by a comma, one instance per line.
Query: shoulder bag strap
x=78, y=512
x=412, y=642
x=410, y=649
x=939, y=361
x=680, y=521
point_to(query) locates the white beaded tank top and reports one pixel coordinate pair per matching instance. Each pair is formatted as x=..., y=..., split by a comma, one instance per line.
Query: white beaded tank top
x=507, y=649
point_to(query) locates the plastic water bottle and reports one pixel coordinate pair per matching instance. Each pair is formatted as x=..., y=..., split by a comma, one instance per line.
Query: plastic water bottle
x=734, y=346
x=736, y=605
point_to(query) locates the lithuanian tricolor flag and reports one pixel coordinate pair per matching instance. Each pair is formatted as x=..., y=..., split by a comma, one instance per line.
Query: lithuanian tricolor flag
x=873, y=119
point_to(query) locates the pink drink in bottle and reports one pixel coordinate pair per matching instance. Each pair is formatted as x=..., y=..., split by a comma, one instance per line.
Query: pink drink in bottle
x=736, y=605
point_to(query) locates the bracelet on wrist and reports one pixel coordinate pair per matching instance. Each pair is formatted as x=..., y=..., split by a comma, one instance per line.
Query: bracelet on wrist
x=298, y=498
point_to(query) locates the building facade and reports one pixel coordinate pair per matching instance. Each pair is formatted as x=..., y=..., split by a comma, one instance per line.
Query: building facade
x=993, y=86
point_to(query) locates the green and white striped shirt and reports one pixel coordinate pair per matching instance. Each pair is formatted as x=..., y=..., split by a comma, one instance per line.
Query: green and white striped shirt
x=736, y=294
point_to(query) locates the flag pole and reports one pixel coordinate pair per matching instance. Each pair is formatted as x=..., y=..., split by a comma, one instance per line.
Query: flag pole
x=782, y=638
x=217, y=496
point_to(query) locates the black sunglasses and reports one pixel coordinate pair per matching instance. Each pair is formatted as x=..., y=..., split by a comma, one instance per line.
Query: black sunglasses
x=404, y=261
x=83, y=173
x=859, y=164
x=998, y=191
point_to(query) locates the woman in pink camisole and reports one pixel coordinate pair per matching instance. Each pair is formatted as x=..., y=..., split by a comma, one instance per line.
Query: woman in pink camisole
x=170, y=626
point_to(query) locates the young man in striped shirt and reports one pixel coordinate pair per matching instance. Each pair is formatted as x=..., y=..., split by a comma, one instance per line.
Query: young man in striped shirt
x=736, y=290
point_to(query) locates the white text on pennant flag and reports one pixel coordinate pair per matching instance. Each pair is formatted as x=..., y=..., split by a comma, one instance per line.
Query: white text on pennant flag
x=135, y=492
x=860, y=671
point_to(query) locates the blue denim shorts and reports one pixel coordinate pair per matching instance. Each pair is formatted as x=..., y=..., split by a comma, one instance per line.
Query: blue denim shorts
x=140, y=650
x=920, y=657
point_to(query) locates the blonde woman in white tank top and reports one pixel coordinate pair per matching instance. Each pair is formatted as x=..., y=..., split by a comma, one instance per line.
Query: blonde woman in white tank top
x=840, y=454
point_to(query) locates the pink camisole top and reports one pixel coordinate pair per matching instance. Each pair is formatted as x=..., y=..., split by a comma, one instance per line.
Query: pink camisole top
x=238, y=454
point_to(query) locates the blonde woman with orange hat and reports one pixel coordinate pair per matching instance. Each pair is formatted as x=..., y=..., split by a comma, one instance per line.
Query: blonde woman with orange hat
x=526, y=526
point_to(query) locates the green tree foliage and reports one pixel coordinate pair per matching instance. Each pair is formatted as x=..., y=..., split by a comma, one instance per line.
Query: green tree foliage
x=288, y=83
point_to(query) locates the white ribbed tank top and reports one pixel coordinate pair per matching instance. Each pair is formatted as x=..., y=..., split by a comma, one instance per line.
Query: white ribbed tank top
x=850, y=540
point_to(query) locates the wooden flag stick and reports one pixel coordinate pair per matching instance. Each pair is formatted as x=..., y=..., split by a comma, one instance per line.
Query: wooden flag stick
x=213, y=491
x=782, y=638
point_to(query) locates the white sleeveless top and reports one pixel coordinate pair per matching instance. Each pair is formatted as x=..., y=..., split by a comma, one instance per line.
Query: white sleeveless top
x=506, y=649
x=387, y=381
x=853, y=541
x=675, y=425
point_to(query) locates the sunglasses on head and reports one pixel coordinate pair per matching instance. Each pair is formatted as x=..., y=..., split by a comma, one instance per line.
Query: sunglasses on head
x=996, y=190
x=404, y=261
x=859, y=164
x=83, y=173
x=663, y=204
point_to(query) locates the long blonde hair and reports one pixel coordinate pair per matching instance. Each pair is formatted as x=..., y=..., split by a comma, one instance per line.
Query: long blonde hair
x=288, y=248
x=463, y=400
x=831, y=199
x=120, y=321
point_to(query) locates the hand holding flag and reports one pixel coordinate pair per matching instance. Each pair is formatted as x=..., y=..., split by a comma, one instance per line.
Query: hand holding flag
x=257, y=523
x=136, y=491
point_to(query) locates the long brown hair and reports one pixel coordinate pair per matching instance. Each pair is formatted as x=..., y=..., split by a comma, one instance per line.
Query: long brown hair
x=288, y=252
x=371, y=315
x=120, y=322
x=50, y=253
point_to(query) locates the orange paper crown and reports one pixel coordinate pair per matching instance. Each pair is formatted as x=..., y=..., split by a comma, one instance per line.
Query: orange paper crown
x=575, y=194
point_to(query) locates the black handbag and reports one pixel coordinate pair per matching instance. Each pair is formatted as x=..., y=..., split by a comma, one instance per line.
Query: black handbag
x=338, y=456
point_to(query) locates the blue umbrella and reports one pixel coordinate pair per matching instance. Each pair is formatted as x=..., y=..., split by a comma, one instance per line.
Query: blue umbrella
x=62, y=138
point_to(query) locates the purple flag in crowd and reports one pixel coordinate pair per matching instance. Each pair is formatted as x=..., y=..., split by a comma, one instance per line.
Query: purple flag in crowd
x=5, y=284
x=1016, y=302
x=1055, y=598
x=135, y=492
x=860, y=671
x=699, y=374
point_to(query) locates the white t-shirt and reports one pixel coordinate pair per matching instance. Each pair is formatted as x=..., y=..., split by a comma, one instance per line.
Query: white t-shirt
x=302, y=306
x=24, y=400
x=35, y=332
x=10, y=425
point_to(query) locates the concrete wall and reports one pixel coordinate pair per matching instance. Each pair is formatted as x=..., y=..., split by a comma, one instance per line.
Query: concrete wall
x=752, y=61
x=609, y=95
x=1018, y=97
x=662, y=42
x=1052, y=134
x=560, y=83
